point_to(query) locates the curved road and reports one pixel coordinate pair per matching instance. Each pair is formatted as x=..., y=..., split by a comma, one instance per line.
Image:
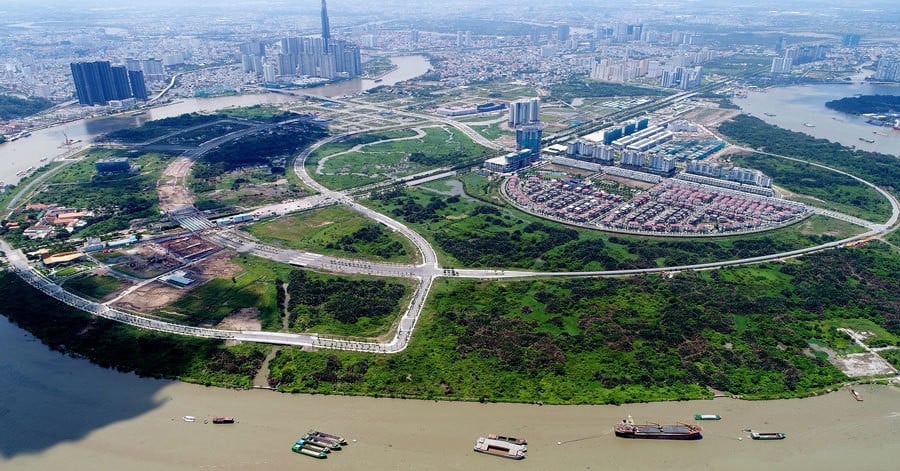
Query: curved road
x=425, y=272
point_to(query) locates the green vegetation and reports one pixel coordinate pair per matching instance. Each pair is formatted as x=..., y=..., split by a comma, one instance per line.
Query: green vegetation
x=94, y=287
x=492, y=131
x=880, y=169
x=877, y=104
x=255, y=287
x=378, y=66
x=270, y=148
x=584, y=88
x=468, y=233
x=114, y=345
x=377, y=161
x=259, y=113
x=821, y=187
x=332, y=305
x=741, y=330
x=738, y=64
x=335, y=230
x=16, y=108
x=160, y=127
x=116, y=199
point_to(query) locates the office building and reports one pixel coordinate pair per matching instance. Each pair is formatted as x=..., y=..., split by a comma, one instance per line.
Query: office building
x=326, y=28
x=509, y=162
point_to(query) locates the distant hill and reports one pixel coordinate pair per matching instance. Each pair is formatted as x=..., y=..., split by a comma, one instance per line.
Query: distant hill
x=877, y=104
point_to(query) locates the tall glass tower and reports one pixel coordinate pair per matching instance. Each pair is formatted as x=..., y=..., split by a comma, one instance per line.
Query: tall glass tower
x=326, y=30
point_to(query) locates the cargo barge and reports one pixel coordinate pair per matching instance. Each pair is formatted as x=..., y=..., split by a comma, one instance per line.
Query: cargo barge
x=321, y=441
x=707, y=417
x=328, y=436
x=628, y=429
x=304, y=448
x=223, y=420
x=504, y=438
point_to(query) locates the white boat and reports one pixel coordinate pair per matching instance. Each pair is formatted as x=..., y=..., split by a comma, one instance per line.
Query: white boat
x=189, y=418
x=500, y=448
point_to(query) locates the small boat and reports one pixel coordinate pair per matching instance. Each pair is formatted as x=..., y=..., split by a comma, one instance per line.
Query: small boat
x=628, y=429
x=379, y=80
x=707, y=417
x=856, y=395
x=767, y=435
x=500, y=448
x=809, y=125
x=304, y=449
x=189, y=418
x=770, y=114
x=504, y=438
x=329, y=436
x=870, y=141
x=223, y=420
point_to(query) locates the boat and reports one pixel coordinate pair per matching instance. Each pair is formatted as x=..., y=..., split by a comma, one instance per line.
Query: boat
x=329, y=436
x=707, y=417
x=189, y=418
x=770, y=114
x=504, y=438
x=223, y=420
x=628, y=429
x=767, y=435
x=304, y=448
x=379, y=80
x=856, y=395
x=809, y=125
x=897, y=125
x=321, y=441
x=500, y=448
x=870, y=141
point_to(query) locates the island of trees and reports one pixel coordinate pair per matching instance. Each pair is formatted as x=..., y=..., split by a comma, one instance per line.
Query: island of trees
x=866, y=104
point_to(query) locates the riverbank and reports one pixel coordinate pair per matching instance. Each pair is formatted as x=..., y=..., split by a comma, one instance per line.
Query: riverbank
x=121, y=421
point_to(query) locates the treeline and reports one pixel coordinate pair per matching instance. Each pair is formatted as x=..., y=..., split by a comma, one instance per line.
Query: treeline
x=585, y=88
x=263, y=148
x=317, y=300
x=876, y=104
x=118, y=346
x=372, y=239
x=880, y=169
x=161, y=127
x=16, y=108
x=743, y=330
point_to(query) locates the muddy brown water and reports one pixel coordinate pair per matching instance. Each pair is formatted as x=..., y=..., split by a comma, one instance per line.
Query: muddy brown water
x=59, y=412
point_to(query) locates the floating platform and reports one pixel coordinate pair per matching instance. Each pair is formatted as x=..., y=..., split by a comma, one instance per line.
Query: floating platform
x=503, y=449
x=707, y=417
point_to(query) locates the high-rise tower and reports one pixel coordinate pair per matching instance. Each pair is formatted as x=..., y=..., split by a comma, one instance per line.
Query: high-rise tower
x=326, y=30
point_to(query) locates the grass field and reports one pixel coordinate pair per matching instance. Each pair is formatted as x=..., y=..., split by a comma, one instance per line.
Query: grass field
x=330, y=231
x=94, y=287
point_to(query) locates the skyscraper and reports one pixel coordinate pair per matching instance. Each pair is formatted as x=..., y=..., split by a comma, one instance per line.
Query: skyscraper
x=524, y=112
x=326, y=29
x=96, y=83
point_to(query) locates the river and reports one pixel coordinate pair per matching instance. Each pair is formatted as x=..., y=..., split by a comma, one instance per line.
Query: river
x=46, y=144
x=59, y=412
x=802, y=108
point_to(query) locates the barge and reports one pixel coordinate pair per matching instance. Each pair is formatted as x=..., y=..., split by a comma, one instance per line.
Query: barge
x=328, y=436
x=628, y=429
x=767, y=435
x=856, y=395
x=321, y=441
x=504, y=449
x=504, y=438
x=707, y=417
x=304, y=448
x=223, y=420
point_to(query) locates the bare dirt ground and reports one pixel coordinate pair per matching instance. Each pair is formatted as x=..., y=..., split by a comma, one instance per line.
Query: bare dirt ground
x=171, y=189
x=710, y=116
x=157, y=295
x=244, y=319
x=862, y=364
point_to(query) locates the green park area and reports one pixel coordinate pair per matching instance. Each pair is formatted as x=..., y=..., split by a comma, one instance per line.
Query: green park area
x=364, y=160
x=338, y=231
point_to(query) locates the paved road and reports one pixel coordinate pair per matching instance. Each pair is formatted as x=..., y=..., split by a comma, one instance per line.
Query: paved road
x=424, y=273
